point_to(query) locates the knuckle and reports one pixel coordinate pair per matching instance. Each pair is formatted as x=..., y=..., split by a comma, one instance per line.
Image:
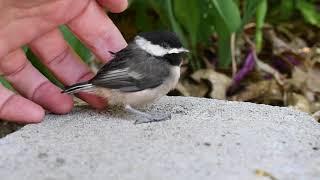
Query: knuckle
x=12, y=64
x=5, y=102
x=39, y=89
x=60, y=57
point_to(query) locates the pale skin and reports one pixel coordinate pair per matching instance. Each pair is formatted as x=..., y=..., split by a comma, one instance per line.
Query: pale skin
x=35, y=23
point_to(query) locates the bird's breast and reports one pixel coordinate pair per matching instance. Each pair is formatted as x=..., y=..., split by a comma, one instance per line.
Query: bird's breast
x=150, y=95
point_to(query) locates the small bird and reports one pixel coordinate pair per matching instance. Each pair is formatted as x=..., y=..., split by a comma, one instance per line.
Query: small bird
x=147, y=69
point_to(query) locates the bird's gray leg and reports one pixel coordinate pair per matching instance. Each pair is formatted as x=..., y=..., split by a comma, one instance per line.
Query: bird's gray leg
x=146, y=118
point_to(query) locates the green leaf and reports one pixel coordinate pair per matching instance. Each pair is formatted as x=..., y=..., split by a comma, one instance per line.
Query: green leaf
x=227, y=20
x=280, y=11
x=229, y=13
x=224, y=50
x=287, y=7
x=174, y=24
x=250, y=8
x=207, y=23
x=309, y=12
x=189, y=23
x=25, y=48
x=161, y=7
x=5, y=83
x=142, y=21
x=165, y=11
x=189, y=20
x=76, y=44
x=261, y=14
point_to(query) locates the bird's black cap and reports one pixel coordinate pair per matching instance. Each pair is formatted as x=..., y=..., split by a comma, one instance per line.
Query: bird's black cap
x=162, y=38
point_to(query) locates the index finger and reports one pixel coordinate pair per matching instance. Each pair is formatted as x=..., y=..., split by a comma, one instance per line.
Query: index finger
x=115, y=6
x=97, y=31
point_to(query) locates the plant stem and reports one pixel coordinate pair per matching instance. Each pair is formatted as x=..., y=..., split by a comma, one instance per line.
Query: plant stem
x=261, y=14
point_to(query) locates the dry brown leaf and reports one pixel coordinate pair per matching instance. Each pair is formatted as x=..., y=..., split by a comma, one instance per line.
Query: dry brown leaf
x=298, y=45
x=267, y=89
x=278, y=45
x=299, y=78
x=262, y=173
x=299, y=102
x=182, y=89
x=315, y=107
x=188, y=88
x=218, y=81
x=306, y=81
x=295, y=44
x=313, y=81
x=316, y=116
x=267, y=68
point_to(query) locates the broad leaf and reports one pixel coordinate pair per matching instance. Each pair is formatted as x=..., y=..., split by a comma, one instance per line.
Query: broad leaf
x=228, y=11
x=189, y=20
x=250, y=8
x=226, y=17
x=309, y=12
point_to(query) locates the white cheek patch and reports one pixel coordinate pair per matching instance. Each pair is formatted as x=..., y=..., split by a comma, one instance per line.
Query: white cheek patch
x=153, y=49
x=157, y=50
x=177, y=50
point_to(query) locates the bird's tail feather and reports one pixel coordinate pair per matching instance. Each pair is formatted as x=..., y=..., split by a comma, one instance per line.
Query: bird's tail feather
x=84, y=86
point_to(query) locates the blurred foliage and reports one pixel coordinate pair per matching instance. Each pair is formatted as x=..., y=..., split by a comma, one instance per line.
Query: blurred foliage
x=5, y=83
x=286, y=10
x=196, y=22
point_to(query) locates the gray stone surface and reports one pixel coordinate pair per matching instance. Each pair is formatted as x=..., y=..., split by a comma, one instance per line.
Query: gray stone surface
x=206, y=139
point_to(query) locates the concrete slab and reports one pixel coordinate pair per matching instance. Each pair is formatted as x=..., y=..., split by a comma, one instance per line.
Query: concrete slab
x=206, y=139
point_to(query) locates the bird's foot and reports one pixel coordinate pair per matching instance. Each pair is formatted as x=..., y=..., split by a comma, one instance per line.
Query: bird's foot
x=145, y=117
x=153, y=118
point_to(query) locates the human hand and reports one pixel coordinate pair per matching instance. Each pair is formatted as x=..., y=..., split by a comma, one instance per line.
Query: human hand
x=35, y=23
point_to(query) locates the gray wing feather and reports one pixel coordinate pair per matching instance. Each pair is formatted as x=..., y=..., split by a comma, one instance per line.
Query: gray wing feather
x=130, y=75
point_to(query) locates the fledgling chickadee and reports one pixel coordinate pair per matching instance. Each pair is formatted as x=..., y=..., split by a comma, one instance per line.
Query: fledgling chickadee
x=147, y=69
